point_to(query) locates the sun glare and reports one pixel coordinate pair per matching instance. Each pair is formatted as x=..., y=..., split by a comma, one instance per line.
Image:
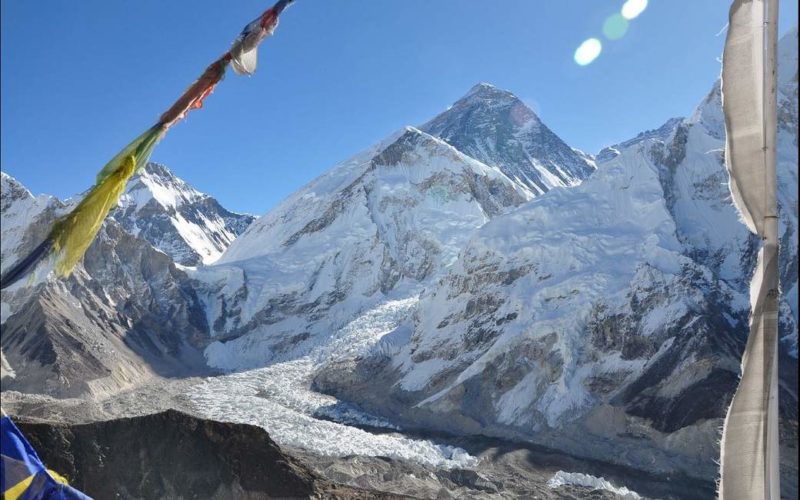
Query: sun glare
x=632, y=8
x=615, y=27
x=588, y=51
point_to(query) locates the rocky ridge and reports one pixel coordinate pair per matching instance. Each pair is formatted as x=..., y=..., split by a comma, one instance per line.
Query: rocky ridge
x=175, y=455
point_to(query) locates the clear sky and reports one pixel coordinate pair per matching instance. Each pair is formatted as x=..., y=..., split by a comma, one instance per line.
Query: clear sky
x=82, y=78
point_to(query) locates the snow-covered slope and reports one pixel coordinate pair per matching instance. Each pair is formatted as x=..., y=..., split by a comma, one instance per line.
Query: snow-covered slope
x=387, y=220
x=607, y=319
x=189, y=226
x=787, y=153
x=579, y=301
x=498, y=129
x=21, y=211
x=25, y=221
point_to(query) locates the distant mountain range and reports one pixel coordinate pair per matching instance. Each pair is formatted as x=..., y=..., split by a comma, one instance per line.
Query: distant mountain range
x=595, y=304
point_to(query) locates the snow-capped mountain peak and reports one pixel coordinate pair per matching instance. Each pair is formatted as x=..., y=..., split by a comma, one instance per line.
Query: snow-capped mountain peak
x=20, y=210
x=612, y=312
x=709, y=113
x=407, y=157
x=157, y=182
x=495, y=127
x=495, y=96
x=188, y=225
x=391, y=218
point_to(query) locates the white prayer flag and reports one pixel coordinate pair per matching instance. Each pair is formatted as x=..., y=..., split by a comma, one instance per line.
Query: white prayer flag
x=749, y=462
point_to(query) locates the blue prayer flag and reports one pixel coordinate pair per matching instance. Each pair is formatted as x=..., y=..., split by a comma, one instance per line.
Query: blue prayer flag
x=22, y=475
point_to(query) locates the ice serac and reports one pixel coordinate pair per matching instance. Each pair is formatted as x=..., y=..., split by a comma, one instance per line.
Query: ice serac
x=189, y=226
x=607, y=320
x=497, y=128
x=379, y=224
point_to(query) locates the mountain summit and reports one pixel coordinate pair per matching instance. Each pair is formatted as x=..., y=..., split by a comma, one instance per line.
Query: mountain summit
x=189, y=226
x=387, y=220
x=495, y=127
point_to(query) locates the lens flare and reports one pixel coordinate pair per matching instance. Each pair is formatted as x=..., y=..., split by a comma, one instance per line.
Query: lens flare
x=588, y=51
x=632, y=8
x=615, y=27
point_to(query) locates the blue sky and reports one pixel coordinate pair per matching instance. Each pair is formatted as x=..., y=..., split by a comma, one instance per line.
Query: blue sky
x=82, y=78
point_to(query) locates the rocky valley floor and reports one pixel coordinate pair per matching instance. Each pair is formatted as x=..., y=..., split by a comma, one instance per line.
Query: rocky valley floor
x=377, y=459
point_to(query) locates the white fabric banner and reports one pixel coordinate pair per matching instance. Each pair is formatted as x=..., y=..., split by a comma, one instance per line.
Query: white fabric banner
x=743, y=105
x=749, y=460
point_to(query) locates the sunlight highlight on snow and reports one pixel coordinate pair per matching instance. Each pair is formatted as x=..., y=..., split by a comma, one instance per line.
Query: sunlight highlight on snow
x=588, y=51
x=632, y=8
x=590, y=482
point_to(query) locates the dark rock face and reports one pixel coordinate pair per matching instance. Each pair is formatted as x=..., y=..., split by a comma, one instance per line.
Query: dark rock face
x=495, y=127
x=175, y=455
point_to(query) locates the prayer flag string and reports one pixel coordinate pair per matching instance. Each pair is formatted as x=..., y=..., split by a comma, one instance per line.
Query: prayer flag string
x=72, y=234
